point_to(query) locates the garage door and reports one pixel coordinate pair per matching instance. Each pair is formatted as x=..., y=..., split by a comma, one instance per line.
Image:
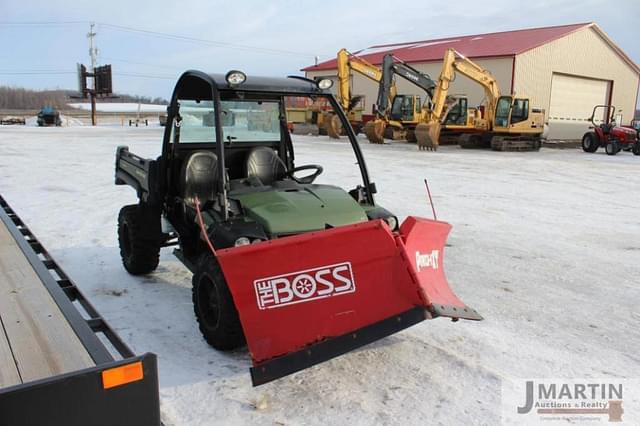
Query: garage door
x=572, y=101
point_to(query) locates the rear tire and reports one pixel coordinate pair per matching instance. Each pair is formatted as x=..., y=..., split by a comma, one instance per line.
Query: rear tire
x=213, y=305
x=636, y=148
x=140, y=238
x=590, y=142
x=612, y=148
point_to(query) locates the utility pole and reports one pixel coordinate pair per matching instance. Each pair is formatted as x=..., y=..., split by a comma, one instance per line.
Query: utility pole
x=93, y=52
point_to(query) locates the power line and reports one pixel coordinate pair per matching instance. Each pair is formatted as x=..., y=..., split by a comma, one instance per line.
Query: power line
x=38, y=72
x=168, y=36
x=204, y=41
x=41, y=23
x=56, y=72
x=126, y=61
x=163, y=77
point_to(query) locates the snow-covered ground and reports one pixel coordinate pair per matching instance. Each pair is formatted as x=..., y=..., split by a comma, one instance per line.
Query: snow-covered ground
x=546, y=246
x=121, y=107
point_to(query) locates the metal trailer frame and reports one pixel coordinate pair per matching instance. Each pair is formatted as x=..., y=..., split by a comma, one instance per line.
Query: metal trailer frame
x=80, y=397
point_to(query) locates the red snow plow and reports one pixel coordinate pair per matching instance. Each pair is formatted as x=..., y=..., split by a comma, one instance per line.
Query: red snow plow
x=308, y=298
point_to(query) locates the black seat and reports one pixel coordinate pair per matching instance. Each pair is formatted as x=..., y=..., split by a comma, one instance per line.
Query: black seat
x=264, y=164
x=199, y=177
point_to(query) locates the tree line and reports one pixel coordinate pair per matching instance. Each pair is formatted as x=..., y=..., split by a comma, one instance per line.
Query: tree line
x=20, y=98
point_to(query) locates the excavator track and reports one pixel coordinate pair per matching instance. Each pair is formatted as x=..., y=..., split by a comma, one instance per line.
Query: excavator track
x=374, y=130
x=410, y=136
x=449, y=138
x=473, y=141
x=305, y=129
x=517, y=143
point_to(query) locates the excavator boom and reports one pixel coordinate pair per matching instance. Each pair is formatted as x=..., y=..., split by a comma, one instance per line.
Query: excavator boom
x=345, y=63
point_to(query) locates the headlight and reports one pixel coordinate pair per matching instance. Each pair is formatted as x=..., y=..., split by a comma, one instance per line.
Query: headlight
x=235, y=77
x=242, y=241
x=325, y=83
x=256, y=241
x=392, y=222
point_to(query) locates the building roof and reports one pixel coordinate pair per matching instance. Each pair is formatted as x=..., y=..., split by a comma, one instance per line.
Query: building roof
x=501, y=44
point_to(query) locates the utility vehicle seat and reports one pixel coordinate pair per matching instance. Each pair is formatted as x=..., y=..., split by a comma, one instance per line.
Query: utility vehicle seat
x=199, y=177
x=263, y=163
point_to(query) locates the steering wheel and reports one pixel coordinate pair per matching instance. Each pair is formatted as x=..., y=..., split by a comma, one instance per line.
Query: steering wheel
x=306, y=179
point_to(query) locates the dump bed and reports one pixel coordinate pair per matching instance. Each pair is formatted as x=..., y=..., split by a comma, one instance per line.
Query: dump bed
x=57, y=354
x=138, y=172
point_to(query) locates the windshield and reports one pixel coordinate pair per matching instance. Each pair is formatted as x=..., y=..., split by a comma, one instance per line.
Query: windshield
x=502, y=111
x=242, y=121
x=402, y=107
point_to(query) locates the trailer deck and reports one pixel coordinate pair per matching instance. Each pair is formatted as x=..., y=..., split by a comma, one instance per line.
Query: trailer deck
x=36, y=341
x=56, y=348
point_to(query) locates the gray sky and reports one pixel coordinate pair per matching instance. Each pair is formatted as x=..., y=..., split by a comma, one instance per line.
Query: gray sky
x=283, y=35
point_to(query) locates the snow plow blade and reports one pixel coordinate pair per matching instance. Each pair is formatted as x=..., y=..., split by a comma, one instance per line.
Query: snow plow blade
x=308, y=298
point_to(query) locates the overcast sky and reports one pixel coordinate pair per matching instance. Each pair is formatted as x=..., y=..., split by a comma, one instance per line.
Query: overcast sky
x=280, y=37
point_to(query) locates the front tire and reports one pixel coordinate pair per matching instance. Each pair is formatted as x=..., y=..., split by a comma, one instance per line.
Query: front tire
x=140, y=238
x=213, y=305
x=590, y=142
x=636, y=148
x=611, y=148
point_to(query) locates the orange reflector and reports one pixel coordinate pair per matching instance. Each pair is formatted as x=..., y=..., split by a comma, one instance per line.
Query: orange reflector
x=122, y=375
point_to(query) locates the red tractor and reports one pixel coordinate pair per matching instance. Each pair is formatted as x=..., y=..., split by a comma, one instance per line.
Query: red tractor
x=607, y=134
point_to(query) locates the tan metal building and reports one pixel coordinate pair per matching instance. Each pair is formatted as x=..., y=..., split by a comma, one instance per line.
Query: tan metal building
x=565, y=70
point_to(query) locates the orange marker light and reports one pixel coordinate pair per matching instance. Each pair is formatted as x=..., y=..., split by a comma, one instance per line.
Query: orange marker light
x=122, y=375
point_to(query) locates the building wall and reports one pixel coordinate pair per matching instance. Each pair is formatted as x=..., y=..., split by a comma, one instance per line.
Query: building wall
x=501, y=68
x=584, y=54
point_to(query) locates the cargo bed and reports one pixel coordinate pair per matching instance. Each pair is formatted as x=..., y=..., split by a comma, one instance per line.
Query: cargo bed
x=60, y=362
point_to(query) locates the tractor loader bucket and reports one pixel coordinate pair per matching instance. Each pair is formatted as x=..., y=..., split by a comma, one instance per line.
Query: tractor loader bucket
x=333, y=126
x=375, y=131
x=428, y=136
x=308, y=298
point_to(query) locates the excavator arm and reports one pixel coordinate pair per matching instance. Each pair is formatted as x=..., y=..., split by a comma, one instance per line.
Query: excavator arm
x=391, y=66
x=347, y=62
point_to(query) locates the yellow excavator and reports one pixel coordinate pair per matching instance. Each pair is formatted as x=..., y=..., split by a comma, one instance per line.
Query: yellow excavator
x=507, y=123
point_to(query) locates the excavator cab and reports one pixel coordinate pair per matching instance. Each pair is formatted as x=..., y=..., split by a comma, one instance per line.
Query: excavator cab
x=503, y=111
x=458, y=114
x=405, y=108
x=510, y=112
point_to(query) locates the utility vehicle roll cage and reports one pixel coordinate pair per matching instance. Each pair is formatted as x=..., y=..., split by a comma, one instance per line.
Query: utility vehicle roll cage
x=197, y=85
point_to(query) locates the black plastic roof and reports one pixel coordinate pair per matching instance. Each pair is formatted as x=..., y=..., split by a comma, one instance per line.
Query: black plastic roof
x=191, y=82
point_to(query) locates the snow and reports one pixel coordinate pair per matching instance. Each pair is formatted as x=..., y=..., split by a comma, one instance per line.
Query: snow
x=546, y=246
x=121, y=107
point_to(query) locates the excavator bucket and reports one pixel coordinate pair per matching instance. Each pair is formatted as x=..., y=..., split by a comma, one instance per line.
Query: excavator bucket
x=428, y=136
x=308, y=298
x=375, y=131
x=333, y=126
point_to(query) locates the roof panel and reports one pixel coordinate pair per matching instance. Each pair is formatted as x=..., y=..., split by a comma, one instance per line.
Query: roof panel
x=507, y=43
